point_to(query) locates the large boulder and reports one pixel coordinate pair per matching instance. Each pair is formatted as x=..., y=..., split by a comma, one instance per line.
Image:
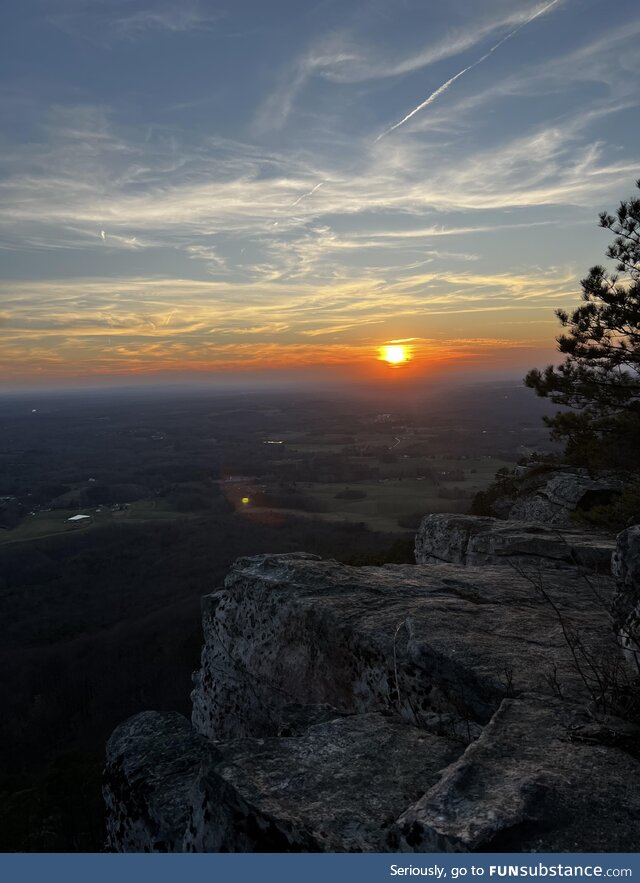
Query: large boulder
x=476, y=540
x=554, y=497
x=626, y=603
x=420, y=640
x=338, y=786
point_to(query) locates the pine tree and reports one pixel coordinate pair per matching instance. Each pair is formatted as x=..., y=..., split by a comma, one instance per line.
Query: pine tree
x=599, y=381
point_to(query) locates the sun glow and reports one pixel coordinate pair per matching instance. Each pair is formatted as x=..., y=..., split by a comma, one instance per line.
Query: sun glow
x=394, y=354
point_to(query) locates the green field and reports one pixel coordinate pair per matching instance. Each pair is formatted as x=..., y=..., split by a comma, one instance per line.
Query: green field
x=45, y=524
x=407, y=486
x=394, y=496
x=386, y=501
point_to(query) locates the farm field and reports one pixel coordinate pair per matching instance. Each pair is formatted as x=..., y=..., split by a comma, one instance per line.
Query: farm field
x=46, y=524
x=394, y=502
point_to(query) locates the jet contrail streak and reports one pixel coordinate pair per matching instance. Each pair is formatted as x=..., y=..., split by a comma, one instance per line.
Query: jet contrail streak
x=304, y=195
x=438, y=92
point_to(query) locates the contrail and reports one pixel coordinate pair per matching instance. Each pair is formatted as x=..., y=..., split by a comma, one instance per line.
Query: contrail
x=438, y=92
x=310, y=193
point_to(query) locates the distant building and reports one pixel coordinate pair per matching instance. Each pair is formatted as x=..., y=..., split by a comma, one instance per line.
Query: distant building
x=239, y=478
x=77, y=518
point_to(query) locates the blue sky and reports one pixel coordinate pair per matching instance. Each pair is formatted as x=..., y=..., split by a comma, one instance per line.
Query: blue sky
x=248, y=186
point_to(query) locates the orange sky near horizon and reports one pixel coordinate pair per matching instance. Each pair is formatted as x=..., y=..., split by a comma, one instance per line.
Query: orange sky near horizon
x=152, y=328
x=360, y=363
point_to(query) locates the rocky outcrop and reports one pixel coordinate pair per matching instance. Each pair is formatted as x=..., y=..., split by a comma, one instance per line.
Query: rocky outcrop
x=626, y=603
x=553, y=497
x=338, y=786
x=476, y=541
x=418, y=640
x=541, y=777
x=400, y=708
x=455, y=705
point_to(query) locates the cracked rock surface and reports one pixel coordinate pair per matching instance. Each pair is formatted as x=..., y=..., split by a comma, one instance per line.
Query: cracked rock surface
x=532, y=782
x=477, y=540
x=436, y=638
x=401, y=708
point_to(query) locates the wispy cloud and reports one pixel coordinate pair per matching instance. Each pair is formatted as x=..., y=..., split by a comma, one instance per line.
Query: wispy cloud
x=340, y=59
x=175, y=17
x=73, y=186
x=115, y=23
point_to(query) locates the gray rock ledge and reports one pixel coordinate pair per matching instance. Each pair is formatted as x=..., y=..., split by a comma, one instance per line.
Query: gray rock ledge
x=477, y=540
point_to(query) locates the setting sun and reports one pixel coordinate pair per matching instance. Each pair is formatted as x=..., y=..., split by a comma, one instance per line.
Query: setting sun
x=395, y=354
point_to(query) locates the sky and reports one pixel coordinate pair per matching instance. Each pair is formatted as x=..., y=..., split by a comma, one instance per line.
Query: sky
x=242, y=188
